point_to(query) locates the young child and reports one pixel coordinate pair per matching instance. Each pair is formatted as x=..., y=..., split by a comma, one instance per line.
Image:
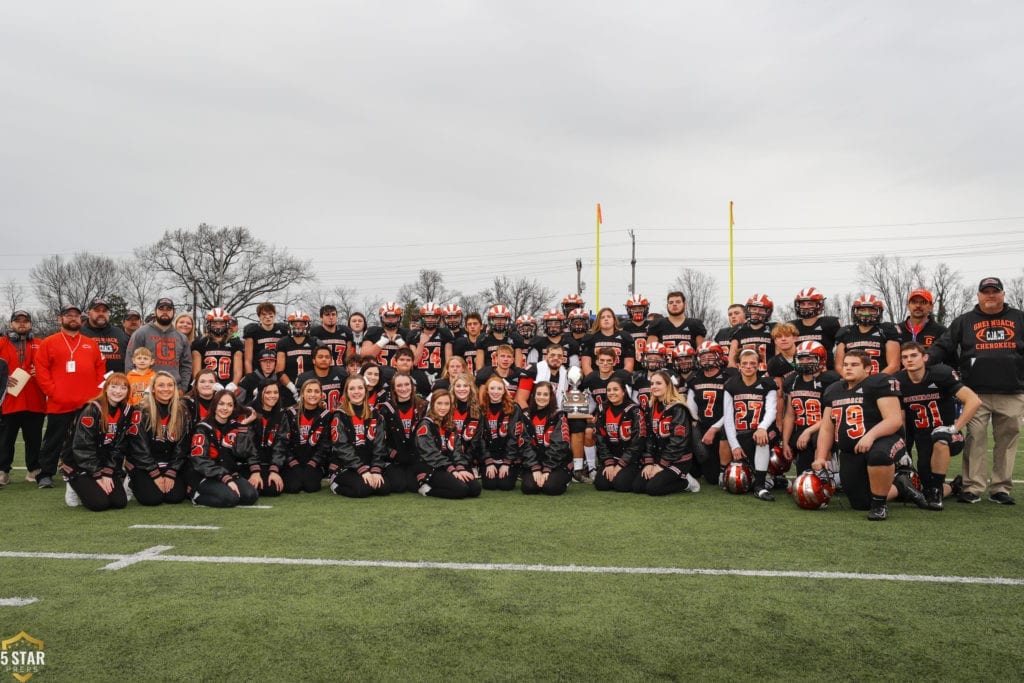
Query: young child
x=140, y=378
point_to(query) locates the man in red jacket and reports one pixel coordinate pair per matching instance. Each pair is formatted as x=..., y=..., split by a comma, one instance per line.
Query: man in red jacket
x=69, y=369
x=26, y=411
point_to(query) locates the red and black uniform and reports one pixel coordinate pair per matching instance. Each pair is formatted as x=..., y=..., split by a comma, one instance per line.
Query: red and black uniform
x=261, y=458
x=780, y=366
x=303, y=442
x=441, y=455
x=430, y=355
x=673, y=336
x=854, y=411
x=823, y=331
x=392, y=341
x=156, y=452
x=215, y=464
x=26, y=411
x=400, y=420
x=517, y=379
x=670, y=446
x=468, y=429
x=621, y=435
x=467, y=348
x=749, y=407
x=264, y=340
x=298, y=358
x=218, y=356
x=758, y=338
x=804, y=397
x=490, y=343
x=706, y=397
x=94, y=452
x=540, y=345
x=637, y=335
x=641, y=383
x=871, y=342
x=332, y=384
x=357, y=448
x=928, y=404
x=340, y=342
x=502, y=440
x=546, y=449
x=618, y=342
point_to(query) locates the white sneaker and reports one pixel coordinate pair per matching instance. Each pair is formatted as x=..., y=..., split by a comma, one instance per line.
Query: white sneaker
x=128, y=489
x=71, y=496
x=424, y=489
x=692, y=485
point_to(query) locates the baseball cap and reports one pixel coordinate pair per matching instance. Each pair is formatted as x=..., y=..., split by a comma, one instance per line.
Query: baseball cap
x=267, y=353
x=923, y=293
x=991, y=282
x=164, y=302
x=20, y=312
x=97, y=302
x=69, y=307
x=133, y=314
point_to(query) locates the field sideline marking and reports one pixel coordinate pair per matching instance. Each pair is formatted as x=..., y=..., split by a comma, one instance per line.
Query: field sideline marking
x=155, y=554
x=17, y=602
x=174, y=526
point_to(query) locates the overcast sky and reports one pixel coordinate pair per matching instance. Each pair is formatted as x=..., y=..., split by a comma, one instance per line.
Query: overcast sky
x=377, y=138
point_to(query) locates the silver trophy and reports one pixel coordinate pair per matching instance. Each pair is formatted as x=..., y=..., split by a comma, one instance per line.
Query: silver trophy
x=576, y=403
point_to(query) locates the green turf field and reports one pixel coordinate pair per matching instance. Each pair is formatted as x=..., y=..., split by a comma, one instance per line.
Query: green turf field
x=224, y=621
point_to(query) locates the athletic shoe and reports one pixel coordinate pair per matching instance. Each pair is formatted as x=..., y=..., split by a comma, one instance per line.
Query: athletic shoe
x=128, y=489
x=956, y=487
x=582, y=476
x=44, y=482
x=5, y=479
x=764, y=494
x=934, y=498
x=907, y=490
x=968, y=497
x=879, y=514
x=71, y=496
x=32, y=474
x=692, y=485
x=1003, y=498
x=424, y=489
x=781, y=483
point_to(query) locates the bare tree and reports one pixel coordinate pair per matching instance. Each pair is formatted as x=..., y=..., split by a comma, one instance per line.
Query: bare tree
x=951, y=296
x=139, y=287
x=1014, y=288
x=891, y=279
x=225, y=267
x=428, y=286
x=701, y=290
x=74, y=281
x=523, y=296
x=12, y=293
x=472, y=303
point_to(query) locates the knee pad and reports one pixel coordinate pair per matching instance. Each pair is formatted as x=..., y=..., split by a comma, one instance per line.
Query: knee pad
x=954, y=440
x=886, y=451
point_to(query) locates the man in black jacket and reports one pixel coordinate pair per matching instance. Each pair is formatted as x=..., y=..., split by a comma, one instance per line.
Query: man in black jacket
x=987, y=345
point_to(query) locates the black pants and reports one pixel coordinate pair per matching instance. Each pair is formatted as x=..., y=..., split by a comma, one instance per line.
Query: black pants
x=499, y=484
x=92, y=496
x=623, y=481
x=663, y=483
x=145, y=490
x=216, y=494
x=56, y=430
x=31, y=426
x=706, y=462
x=804, y=458
x=302, y=477
x=267, y=491
x=401, y=478
x=350, y=484
x=558, y=481
x=443, y=484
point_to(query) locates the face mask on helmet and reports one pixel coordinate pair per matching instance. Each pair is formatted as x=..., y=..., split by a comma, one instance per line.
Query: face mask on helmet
x=867, y=315
x=807, y=364
x=638, y=313
x=757, y=314
x=454, y=322
x=499, y=323
x=390, y=321
x=709, y=360
x=685, y=364
x=218, y=328
x=654, y=361
x=430, y=322
x=297, y=328
x=808, y=308
x=553, y=328
x=579, y=325
x=526, y=330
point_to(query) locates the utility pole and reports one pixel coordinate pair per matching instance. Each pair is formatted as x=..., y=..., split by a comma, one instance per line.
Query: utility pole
x=632, y=263
x=579, y=270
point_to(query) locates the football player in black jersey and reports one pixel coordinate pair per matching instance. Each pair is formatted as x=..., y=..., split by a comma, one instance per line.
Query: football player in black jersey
x=802, y=390
x=932, y=423
x=605, y=333
x=784, y=360
x=452, y=314
x=337, y=338
x=635, y=327
x=812, y=324
x=380, y=343
x=526, y=326
x=737, y=316
x=468, y=345
x=656, y=357
x=218, y=352
x=676, y=327
x=750, y=408
x=499, y=321
x=330, y=376
x=258, y=337
x=756, y=333
x=434, y=343
x=920, y=326
x=294, y=355
x=248, y=388
x=572, y=302
x=517, y=381
x=705, y=398
x=553, y=328
x=578, y=322
x=863, y=416
x=880, y=340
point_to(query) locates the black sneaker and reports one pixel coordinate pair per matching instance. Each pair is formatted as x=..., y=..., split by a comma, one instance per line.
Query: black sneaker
x=1003, y=498
x=44, y=482
x=764, y=494
x=934, y=498
x=968, y=497
x=879, y=514
x=956, y=487
x=582, y=476
x=908, y=492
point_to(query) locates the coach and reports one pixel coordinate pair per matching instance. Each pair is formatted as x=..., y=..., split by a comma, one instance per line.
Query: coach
x=987, y=343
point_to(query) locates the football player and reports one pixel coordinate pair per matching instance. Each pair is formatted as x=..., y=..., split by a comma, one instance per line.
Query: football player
x=802, y=390
x=517, y=381
x=468, y=345
x=880, y=340
x=635, y=327
x=248, y=387
x=705, y=398
x=737, y=316
x=920, y=326
x=294, y=355
x=434, y=343
x=572, y=302
x=676, y=327
x=578, y=321
x=261, y=336
x=605, y=333
x=933, y=426
x=453, y=320
x=499, y=321
x=337, y=338
x=553, y=323
x=863, y=416
x=380, y=343
x=784, y=360
x=218, y=352
x=811, y=322
x=526, y=326
x=404, y=362
x=750, y=406
x=756, y=333
x=330, y=376
x=684, y=367
x=656, y=357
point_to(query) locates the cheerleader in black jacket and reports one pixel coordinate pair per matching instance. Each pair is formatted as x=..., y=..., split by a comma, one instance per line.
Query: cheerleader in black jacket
x=92, y=461
x=620, y=429
x=401, y=413
x=466, y=416
x=157, y=459
x=669, y=447
x=501, y=433
x=444, y=471
x=358, y=452
x=303, y=440
x=547, y=457
x=264, y=469
x=214, y=478
x=200, y=398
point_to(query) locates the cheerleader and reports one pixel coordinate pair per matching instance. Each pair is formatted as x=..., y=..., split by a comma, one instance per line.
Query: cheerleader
x=669, y=447
x=214, y=478
x=400, y=415
x=466, y=415
x=303, y=440
x=547, y=458
x=264, y=471
x=620, y=434
x=157, y=460
x=200, y=398
x=444, y=470
x=501, y=436
x=358, y=453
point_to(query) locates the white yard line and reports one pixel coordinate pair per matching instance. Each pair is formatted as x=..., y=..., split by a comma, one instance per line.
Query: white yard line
x=155, y=554
x=17, y=602
x=175, y=526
